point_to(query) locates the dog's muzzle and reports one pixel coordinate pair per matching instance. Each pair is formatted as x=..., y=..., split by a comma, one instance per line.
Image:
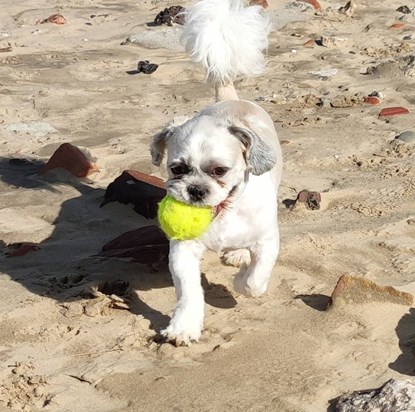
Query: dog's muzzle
x=197, y=193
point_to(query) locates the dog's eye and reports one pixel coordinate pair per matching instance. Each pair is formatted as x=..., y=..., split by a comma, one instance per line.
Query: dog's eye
x=219, y=171
x=180, y=170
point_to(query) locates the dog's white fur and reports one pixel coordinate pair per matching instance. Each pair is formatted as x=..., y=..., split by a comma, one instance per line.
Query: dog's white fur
x=231, y=154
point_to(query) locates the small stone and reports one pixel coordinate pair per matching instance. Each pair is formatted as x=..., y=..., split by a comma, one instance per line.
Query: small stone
x=397, y=26
x=408, y=37
x=407, y=136
x=72, y=159
x=374, y=100
x=55, y=18
x=394, y=395
x=404, y=10
x=393, y=111
x=358, y=290
x=310, y=43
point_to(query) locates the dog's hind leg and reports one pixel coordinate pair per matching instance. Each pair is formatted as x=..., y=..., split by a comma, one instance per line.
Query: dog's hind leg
x=253, y=280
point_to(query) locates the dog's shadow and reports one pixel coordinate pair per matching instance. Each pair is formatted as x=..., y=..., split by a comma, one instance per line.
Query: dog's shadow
x=405, y=330
x=66, y=266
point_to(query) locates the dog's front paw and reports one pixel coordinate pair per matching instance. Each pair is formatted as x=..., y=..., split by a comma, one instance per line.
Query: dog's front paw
x=238, y=258
x=179, y=335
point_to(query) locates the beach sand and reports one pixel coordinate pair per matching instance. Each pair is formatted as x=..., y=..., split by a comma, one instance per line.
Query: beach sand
x=63, y=348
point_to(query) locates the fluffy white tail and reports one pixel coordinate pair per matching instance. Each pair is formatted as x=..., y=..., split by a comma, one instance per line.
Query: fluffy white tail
x=227, y=38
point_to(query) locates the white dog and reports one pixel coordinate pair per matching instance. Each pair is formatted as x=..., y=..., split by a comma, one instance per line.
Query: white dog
x=227, y=157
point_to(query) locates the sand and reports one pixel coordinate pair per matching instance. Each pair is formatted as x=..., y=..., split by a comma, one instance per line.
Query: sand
x=62, y=349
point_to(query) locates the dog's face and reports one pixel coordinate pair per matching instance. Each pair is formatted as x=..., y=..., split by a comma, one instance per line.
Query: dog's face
x=208, y=159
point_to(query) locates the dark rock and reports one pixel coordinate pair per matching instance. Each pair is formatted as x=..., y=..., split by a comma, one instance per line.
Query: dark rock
x=147, y=245
x=170, y=15
x=393, y=396
x=404, y=10
x=21, y=249
x=143, y=191
x=146, y=67
x=311, y=199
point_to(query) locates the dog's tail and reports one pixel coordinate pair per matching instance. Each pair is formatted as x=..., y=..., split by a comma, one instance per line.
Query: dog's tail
x=228, y=39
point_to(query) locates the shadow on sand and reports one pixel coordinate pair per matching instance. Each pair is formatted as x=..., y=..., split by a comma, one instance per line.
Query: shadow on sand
x=66, y=266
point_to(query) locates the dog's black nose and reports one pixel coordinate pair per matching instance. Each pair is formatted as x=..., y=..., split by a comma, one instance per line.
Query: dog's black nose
x=197, y=192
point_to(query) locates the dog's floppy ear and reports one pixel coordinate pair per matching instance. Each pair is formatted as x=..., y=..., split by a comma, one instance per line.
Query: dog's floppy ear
x=158, y=144
x=259, y=156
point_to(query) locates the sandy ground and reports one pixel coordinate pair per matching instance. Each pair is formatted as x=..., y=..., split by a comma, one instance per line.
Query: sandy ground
x=61, y=350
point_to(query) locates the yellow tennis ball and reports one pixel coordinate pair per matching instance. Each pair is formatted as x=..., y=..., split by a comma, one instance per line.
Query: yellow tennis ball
x=181, y=221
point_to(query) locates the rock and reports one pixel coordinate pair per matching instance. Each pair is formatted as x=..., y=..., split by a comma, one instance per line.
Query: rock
x=310, y=199
x=21, y=249
x=397, y=26
x=404, y=10
x=310, y=43
x=170, y=15
x=71, y=158
x=393, y=111
x=407, y=136
x=147, y=245
x=393, y=396
x=357, y=290
x=38, y=129
x=143, y=191
x=373, y=100
x=55, y=18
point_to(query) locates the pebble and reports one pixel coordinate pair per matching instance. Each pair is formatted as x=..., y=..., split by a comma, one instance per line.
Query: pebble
x=408, y=37
x=407, y=136
x=373, y=100
x=404, y=9
x=394, y=395
x=310, y=43
x=397, y=26
x=393, y=111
